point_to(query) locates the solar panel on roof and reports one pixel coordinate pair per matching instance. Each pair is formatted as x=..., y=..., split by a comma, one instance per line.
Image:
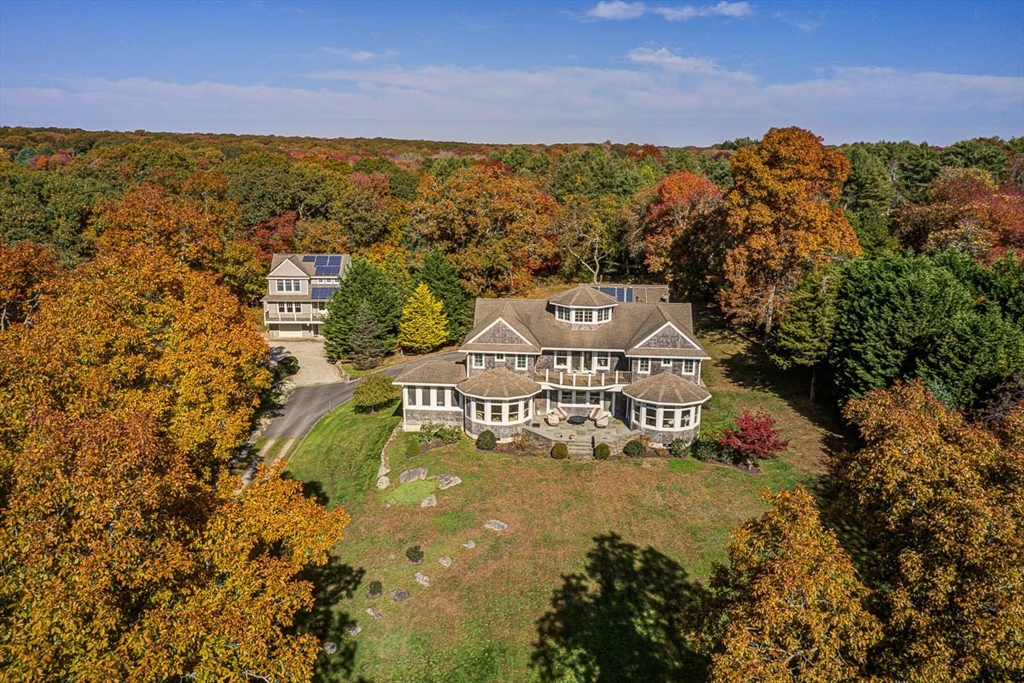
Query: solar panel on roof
x=323, y=292
x=321, y=260
x=309, y=257
x=324, y=271
x=334, y=260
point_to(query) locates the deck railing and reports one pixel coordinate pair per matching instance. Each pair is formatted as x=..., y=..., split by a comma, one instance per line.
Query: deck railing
x=584, y=379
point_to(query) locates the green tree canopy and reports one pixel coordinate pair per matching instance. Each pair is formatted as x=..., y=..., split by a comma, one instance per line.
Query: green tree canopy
x=364, y=282
x=441, y=277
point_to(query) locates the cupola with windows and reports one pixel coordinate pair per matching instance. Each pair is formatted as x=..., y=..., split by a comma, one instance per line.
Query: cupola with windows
x=583, y=305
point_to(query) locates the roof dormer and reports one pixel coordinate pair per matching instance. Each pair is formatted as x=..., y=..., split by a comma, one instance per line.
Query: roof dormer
x=583, y=305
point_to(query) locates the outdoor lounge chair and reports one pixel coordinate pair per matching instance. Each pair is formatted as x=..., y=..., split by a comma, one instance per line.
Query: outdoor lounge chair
x=600, y=417
x=555, y=415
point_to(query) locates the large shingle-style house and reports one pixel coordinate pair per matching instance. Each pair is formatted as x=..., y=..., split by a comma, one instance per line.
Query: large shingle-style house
x=582, y=355
x=298, y=288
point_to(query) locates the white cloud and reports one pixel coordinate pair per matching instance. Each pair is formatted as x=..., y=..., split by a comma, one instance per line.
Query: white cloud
x=360, y=55
x=804, y=24
x=692, y=66
x=658, y=97
x=736, y=10
x=618, y=10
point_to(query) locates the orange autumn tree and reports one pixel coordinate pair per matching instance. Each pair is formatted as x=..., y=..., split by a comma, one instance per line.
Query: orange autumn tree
x=939, y=502
x=25, y=276
x=684, y=232
x=127, y=552
x=784, y=220
x=496, y=225
x=790, y=601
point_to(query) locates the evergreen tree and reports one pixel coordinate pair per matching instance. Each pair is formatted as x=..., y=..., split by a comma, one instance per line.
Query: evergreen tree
x=805, y=331
x=424, y=324
x=363, y=282
x=368, y=346
x=916, y=171
x=868, y=195
x=441, y=277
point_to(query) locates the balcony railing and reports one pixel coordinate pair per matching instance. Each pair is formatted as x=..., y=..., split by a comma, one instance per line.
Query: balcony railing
x=305, y=317
x=564, y=378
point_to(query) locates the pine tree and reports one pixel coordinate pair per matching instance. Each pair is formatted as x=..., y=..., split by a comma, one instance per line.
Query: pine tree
x=441, y=277
x=805, y=331
x=424, y=324
x=368, y=346
x=868, y=195
x=364, y=282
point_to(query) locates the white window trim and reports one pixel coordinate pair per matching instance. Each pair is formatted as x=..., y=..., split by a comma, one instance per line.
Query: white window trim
x=689, y=366
x=499, y=358
x=522, y=362
x=641, y=362
x=666, y=362
x=684, y=417
x=478, y=361
x=565, y=364
x=602, y=360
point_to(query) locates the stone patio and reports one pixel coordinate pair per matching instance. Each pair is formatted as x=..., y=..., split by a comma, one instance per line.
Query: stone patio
x=580, y=439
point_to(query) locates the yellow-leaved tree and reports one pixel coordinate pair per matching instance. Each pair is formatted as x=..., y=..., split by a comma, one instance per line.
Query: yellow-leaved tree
x=424, y=324
x=790, y=601
x=127, y=552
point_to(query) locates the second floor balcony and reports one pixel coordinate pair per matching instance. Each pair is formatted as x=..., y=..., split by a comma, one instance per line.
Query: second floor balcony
x=599, y=378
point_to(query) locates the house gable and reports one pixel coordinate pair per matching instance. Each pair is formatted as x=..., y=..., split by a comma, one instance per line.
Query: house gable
x=287, y=269
x=500, y=332
x=668, y=336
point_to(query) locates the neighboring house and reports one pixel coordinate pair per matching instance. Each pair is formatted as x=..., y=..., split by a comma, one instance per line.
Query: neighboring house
x=298, y=288
x=585, y=353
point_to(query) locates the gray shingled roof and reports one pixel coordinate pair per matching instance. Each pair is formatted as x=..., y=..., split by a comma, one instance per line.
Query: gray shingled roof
x=434, y=372
x=308, y=267
x=631, y=324
x=498, y=383
x=666, y=388
x=583, y=295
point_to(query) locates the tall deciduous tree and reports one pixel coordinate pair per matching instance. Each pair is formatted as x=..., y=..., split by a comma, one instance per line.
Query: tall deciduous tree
x=424, y=325
x=785, y=219
x=496, y=223
x=587, y=234
x=364, y=282
x=25, y=277
x=684, y=233
x=939, y=502
x=127, y=552
x=441, y=277
x=790, y=601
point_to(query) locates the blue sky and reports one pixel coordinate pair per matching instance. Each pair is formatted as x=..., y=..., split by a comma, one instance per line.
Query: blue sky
x=669, y=73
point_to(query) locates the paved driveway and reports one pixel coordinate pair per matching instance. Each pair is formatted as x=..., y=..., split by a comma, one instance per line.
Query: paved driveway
x=307, y=404
x=313, y=366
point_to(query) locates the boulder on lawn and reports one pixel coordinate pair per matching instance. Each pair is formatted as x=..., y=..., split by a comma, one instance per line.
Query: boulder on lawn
x=415, y=474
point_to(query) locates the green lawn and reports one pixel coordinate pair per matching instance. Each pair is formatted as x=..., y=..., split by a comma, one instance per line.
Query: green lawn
x=478, y=619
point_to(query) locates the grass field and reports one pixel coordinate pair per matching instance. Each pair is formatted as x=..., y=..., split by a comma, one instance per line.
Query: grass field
x=478, y=619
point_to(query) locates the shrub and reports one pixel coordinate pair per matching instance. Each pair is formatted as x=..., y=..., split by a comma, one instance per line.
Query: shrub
x=486, y=441
x=376, y=589
x=633, y=449
x=375, y=392
x=415, y=554
x=287, y=366
x=602, y=451
x=679, y=448
x=705, y=448
x=754, y=438
x=560, y=451
x=520, y=442
x=412, y=450
x=449, y=433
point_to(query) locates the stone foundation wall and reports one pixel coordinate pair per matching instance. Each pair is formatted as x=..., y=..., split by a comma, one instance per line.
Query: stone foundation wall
x=502, y=432
x=414, y=418
x=663, y=437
